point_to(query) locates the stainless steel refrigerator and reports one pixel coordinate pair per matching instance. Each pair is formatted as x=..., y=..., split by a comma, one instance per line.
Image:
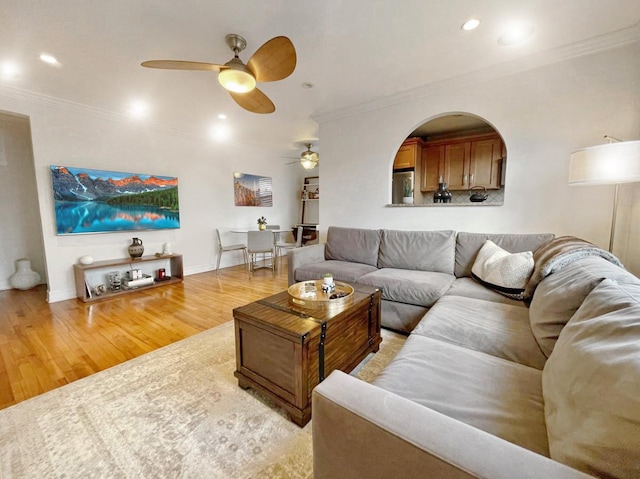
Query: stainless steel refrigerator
x=397, y=186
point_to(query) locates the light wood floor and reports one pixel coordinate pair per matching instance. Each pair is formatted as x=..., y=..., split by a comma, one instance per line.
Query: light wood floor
x=44, y=346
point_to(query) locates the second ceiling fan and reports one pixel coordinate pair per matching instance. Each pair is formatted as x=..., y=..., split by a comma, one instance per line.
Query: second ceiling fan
x=273, y=61
x=308, y=159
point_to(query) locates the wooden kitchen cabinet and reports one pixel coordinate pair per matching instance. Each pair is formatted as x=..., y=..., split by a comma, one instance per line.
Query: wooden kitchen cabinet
x=486, y=162
x=431, y=166
x=409, y=154
x=456, y=165
x=462, y=163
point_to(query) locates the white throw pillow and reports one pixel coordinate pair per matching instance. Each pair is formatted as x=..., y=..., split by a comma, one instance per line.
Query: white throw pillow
x=504, y=272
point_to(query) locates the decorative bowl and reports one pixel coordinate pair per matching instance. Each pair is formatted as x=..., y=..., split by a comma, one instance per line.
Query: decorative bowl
x=310, y=294
x=86, y=259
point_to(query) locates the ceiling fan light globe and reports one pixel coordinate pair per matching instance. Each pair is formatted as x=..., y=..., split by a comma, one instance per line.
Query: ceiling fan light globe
x=236, y=78
x=308, y=164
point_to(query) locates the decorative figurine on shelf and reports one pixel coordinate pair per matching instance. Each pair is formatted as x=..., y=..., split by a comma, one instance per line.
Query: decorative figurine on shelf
x=328, y=286
x=262, y=223
x=136, y=249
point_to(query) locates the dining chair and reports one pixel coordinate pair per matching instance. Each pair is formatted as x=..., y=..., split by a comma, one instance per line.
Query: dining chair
x=232, y=247
x=261, y=242
x=283, y=245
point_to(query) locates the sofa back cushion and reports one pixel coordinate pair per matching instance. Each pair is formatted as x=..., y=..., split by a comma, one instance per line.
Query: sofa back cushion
x=418, y=250
x=591, y=385
x=559, y=295
x=468, y=245
x=353, y=244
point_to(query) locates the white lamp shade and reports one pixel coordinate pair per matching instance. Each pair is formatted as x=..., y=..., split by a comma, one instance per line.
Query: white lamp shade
x=611, y=163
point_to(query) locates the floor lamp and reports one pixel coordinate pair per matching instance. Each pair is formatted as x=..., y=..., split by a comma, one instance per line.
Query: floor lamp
x=612, y=163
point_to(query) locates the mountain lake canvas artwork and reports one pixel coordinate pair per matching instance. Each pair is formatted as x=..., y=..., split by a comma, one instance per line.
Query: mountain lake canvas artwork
x=99, y=201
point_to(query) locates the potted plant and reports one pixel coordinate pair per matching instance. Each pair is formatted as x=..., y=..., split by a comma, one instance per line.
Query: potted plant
x=262, y=223
x=328, y=278
x=407, y=187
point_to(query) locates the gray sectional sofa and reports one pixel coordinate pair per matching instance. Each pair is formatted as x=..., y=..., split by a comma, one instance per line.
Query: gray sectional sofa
x=484, y=387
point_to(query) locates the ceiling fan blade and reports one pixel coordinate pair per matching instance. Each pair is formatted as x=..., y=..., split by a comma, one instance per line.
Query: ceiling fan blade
x=182, y=65
x=254, y=101
x=274, y=60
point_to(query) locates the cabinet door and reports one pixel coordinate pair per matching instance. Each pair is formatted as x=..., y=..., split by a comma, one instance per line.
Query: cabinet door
x=431, y=167
x=456, y=165
x=406, y=157
x=486, y=159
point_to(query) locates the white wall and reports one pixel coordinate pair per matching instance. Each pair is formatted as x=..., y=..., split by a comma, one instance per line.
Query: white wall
x=72, y=135
x=543, y=115
x=20, y=231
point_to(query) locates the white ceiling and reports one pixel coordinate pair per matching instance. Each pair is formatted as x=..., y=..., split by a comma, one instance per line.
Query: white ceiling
x=354, y=51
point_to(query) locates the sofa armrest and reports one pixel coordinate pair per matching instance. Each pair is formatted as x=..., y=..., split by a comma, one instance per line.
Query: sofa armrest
x=307, y=254
x=362, y=431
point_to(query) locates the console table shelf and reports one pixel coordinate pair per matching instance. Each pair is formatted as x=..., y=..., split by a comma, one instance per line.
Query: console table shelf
x=86, y=274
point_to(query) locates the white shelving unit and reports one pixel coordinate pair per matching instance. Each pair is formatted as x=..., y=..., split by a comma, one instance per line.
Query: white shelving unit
x=310, y=205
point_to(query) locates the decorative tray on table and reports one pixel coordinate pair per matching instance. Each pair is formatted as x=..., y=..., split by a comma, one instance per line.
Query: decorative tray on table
x=309, y=294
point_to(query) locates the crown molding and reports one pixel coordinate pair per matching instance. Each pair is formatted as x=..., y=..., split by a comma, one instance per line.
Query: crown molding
x=592, y=45
x=41, y=99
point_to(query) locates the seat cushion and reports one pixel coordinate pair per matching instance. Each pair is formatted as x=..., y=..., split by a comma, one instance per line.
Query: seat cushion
x=501, y=330
x=353, y=245
x=401, y=317
x=419, y=250
x=591, y=385
x=470, y=288
x=422, y=288
x=341, y=270
x=468, y=245
x=497, y=396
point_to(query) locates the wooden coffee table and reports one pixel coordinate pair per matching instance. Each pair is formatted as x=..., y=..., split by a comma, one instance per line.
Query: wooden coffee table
x=284, y=350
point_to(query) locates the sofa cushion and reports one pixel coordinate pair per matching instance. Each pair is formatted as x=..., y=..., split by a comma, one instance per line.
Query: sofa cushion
x=497, y=396
x=422, y=288
x=401, y=317
x=420, y=250
x=468, y=245
x=470, y=288
x=591, y=385
x=560, y=294
x=353, y=245
x=507, y=273
x=341, y=270
x=501, y=330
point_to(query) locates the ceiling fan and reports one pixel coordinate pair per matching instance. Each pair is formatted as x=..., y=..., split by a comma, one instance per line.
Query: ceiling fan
x=273, y=61
x=308, y=159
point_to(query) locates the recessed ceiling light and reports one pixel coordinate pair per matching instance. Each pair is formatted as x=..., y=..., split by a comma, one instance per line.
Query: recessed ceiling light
x=220, y=132
x=50, y=59
x=138, y=109
x=10, y=70
x=515, y=34
x=222, y=116
x=470, y=24
x=307, y=85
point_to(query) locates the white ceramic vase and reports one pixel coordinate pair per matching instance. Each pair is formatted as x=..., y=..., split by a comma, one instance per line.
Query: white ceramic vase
x=24, y=277
x=407, y=200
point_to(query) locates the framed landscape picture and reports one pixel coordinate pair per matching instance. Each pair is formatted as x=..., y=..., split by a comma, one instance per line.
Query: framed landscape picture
x=252, y=190
x=100, y=201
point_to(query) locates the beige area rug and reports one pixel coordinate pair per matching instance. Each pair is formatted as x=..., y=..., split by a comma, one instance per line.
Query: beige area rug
x=175, y=412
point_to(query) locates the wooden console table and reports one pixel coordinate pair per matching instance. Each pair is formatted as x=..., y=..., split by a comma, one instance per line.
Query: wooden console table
x=86, y=274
